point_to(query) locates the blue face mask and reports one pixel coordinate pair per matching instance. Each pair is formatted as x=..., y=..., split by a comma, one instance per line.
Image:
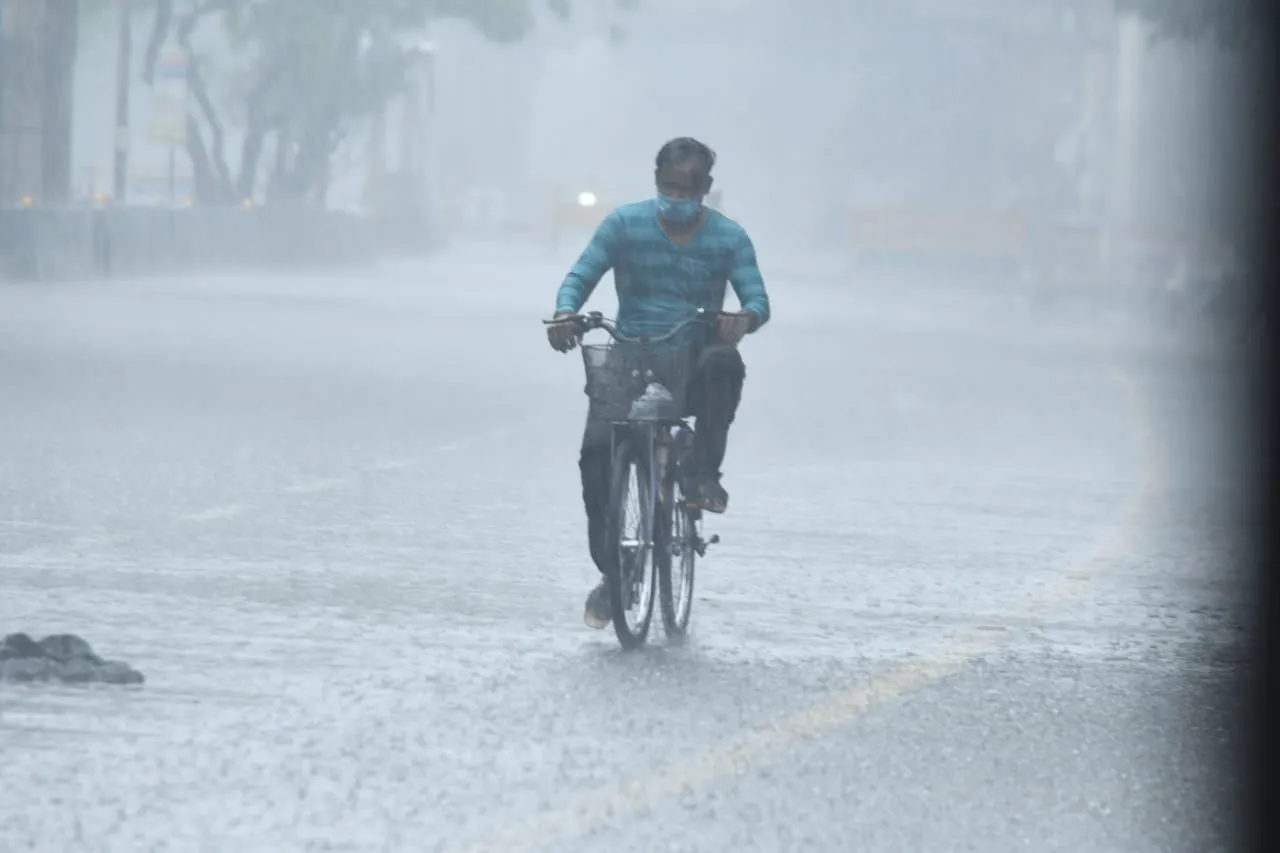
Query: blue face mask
x=679, y=211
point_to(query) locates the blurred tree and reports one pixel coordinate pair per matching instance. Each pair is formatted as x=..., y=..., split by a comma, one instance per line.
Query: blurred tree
x=1233, y=23
x=311, y=71
x=95, y=16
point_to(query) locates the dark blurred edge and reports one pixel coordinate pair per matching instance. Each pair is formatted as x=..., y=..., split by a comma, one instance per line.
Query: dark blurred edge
x=1259, y=758
x=85, y=243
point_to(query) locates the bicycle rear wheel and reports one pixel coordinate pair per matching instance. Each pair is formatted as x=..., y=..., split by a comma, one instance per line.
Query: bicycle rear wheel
x=676, y=554
x=630, y=541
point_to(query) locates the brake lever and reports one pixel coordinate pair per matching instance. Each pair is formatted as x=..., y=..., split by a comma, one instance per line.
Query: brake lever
x=578, y=322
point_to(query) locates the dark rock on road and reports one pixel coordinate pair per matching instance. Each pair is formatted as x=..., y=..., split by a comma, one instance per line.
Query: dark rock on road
x=60, y=657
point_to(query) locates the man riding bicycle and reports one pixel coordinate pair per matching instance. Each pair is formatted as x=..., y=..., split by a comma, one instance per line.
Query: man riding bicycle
x=670, y=256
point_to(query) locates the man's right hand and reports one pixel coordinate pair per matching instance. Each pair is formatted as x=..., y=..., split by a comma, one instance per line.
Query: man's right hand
x=563, y=333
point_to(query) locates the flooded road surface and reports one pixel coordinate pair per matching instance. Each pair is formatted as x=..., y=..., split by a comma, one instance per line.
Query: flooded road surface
x=975, y=591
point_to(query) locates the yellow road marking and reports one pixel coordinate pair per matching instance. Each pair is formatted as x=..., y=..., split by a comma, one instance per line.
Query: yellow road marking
x=1149, y=490
x=747, y=750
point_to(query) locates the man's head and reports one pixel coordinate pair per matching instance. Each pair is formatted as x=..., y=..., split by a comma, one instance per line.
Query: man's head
x=683, y=175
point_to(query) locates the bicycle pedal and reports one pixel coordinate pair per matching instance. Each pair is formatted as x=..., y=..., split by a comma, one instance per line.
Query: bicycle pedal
x=703, y=544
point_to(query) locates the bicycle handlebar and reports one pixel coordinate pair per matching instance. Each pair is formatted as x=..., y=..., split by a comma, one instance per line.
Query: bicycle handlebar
x=595, y=320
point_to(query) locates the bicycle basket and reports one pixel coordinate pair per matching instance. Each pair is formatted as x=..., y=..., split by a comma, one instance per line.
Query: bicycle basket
x=618, y=374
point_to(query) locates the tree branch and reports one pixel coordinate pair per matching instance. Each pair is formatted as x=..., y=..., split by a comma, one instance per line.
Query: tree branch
x=257, y=126
x=197, y=88
x=205, y=184
x=159, y=32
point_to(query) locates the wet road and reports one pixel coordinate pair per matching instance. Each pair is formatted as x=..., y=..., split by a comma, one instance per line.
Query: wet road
x=975, y=591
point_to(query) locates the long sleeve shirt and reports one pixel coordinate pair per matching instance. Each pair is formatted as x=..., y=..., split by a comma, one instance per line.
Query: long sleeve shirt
x=660, y=283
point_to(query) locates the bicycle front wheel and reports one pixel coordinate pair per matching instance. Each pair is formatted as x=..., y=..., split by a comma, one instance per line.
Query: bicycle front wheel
x=630, y=541
x=677, y=552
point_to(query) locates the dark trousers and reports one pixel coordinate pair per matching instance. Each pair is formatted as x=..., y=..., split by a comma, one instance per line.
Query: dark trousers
x=713, y=397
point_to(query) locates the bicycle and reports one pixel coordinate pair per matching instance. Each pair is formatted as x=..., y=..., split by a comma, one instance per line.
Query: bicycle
x=651, y=444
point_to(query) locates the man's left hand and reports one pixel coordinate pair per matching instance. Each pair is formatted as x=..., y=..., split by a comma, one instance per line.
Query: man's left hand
x=732, y=328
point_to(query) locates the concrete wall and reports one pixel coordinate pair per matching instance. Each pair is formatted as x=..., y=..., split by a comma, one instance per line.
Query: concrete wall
x=1192, y=135
x=74, y=244
x=37, y=54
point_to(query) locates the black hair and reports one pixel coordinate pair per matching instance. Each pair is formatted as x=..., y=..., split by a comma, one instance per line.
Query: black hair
x=681, y=150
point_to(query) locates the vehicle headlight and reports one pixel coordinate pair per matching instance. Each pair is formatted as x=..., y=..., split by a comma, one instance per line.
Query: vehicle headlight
x=587, y=199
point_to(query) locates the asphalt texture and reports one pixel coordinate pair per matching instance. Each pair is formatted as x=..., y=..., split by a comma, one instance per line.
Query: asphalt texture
x=978, y=589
